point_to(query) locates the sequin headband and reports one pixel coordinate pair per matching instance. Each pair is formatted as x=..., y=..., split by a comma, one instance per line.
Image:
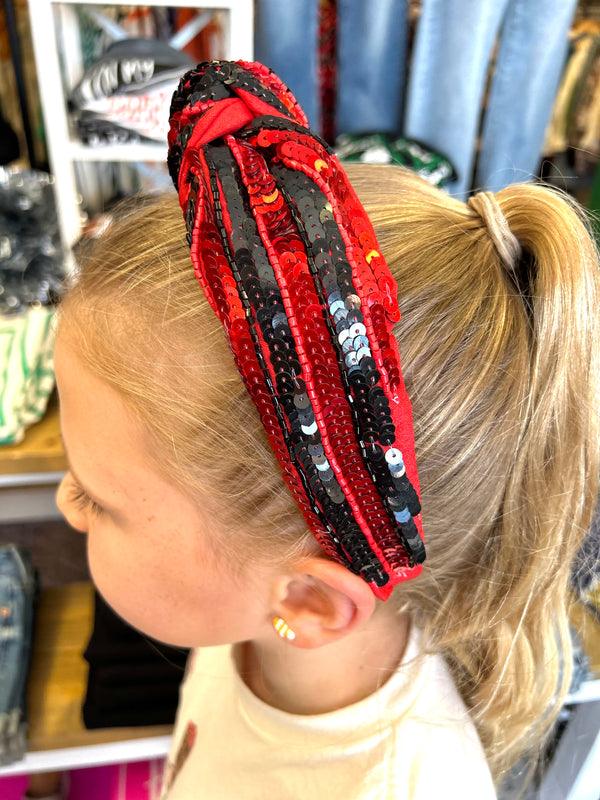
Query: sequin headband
x=289, y=262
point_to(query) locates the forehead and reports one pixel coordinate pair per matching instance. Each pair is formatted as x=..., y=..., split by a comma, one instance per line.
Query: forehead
x=103, y=439
x=86, y=398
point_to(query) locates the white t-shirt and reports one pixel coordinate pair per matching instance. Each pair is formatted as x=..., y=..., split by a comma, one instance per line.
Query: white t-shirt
x=412, y=739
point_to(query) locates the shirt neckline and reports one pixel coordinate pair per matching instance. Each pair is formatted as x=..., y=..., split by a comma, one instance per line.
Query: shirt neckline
x=379, y=710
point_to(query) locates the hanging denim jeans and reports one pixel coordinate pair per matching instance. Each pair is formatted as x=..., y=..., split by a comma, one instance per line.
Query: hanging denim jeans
x=452, y=52
x=17, y=592
x=286, y=40
x=371, y=42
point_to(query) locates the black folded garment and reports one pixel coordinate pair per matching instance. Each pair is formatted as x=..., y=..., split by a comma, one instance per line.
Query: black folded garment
x=133, y=680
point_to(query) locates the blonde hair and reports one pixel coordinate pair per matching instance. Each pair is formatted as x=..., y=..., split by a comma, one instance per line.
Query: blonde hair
x=502, y=371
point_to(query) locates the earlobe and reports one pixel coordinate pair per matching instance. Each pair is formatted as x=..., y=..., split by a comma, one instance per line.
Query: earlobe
x=321, y=602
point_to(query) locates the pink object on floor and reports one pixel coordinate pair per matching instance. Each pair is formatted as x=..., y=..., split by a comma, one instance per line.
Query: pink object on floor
x=139, y=780
x=13, y=787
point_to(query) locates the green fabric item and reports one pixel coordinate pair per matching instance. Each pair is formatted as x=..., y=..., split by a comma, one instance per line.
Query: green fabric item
x=383, y=148
x=594, y=204
x=26, y=370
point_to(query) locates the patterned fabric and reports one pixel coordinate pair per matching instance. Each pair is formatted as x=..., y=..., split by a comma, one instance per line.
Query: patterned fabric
x=26, y=370
x=382, y=148
x=289, y=262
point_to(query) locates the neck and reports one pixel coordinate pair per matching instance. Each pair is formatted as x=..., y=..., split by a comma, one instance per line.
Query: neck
x=324, y=679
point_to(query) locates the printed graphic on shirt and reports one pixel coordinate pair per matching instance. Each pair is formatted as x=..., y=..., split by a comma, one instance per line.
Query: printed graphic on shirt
x=174, y=767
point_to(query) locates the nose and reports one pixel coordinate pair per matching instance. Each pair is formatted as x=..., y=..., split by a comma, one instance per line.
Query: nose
x=68, y=508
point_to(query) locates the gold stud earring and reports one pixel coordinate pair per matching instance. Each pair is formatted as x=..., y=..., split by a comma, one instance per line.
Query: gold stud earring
x=283, y=629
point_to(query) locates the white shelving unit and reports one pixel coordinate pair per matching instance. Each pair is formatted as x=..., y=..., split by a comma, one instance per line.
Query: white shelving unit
x=54, y=29
x=92, y=755
x=29, y=497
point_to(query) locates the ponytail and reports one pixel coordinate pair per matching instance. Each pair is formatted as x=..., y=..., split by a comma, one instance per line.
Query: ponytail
x=501, y=361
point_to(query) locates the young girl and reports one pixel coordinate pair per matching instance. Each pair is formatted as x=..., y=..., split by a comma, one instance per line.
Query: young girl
x=264, y=508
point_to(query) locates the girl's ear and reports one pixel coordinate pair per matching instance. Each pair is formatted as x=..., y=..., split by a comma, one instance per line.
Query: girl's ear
x=321, y=602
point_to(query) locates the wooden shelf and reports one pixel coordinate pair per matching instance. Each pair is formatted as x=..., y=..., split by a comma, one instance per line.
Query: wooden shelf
x=41, y=451
x=57, y=738
x=31, y=470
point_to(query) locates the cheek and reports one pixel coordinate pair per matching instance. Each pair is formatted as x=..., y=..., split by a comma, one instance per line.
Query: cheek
x=147, y=580
x=109, y=563
x=121, y=568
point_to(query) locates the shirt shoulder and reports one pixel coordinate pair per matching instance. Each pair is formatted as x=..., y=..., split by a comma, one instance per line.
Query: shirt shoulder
x=448, y=764
x=447, y=757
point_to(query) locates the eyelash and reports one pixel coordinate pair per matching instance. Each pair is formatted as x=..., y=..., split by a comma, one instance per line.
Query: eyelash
x=84, y=502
